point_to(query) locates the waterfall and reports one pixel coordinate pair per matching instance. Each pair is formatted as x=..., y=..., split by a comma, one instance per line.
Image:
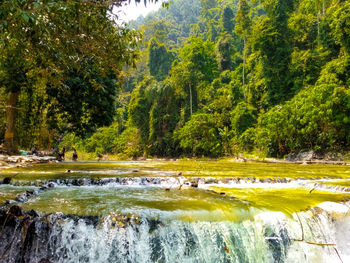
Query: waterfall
x=268, y=237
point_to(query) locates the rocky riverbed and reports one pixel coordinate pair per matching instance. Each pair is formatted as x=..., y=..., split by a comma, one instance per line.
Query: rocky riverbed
x=13, y=161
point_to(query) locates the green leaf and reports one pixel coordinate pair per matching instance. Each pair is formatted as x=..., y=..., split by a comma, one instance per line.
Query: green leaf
x=25, y=17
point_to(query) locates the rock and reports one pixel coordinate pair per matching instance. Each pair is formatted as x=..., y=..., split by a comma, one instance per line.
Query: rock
x=302, y=156
x=33, y=213
x=43, y=188
x=7, y=180
x=29, y=192
x=76, y=182
x=194, y=184
x=44, y=260
x=305, y=156
x=15, y=210
x=22, y=198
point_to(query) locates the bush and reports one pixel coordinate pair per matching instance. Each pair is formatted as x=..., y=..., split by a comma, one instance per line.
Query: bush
x=316, y=119
x=200, y=136
x=102, y=141
x=128, y=143
x=242, y=118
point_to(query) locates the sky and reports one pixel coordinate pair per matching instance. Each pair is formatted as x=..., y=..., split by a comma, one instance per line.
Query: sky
x=132, y=11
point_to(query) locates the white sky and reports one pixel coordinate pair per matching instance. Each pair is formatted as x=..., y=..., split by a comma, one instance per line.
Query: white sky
x=132, y=11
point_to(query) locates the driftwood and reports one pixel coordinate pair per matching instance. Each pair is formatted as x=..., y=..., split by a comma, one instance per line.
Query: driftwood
x=315, y=243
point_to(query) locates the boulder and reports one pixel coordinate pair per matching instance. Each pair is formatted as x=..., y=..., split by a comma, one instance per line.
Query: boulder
x=7, y=180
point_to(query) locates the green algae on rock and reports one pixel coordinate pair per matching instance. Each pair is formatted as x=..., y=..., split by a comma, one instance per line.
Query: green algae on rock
x=287, y=200
x=187, y=168
x=146, y=202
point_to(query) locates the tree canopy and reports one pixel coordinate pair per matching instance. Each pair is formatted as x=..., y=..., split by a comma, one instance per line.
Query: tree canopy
x=49, y=45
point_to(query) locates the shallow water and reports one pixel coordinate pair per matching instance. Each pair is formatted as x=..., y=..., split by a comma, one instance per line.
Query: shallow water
x=218, y=169
x=287, y=200
x=9, y=192
x=141, y=201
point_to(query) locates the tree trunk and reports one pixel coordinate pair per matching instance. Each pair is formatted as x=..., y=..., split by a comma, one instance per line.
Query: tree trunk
x=318, y=29
x=323, y=8
x=191, y=99
x=243, y=73
x=10, y=142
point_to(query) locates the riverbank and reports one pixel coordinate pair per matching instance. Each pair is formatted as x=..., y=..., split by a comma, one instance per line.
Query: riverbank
x=303, y=158
x=13, y=161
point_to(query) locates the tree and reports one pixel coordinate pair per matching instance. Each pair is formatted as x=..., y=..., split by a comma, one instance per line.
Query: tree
x=243, y=24
x=227, y=20
x=198, y=64
x=272, y=39
x=52, y=35
x=84, y=101
x=163, y=118
x=200, y=136
x=340, y=25
x=159, y=60
x=225, y=50
x=242, y=117
x=140, y=106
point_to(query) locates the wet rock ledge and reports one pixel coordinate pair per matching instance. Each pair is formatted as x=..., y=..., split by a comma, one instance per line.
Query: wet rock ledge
x=19, y=236
x=31, y=237
x=26, y=236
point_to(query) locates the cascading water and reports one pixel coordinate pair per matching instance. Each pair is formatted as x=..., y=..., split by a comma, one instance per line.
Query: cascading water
x=270, y=237
x=165, y=219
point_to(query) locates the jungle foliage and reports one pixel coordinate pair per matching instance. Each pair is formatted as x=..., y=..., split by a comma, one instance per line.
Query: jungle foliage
x=270, y=77
x=216, y=78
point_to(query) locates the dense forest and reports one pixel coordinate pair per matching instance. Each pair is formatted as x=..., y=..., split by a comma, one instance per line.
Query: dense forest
x=212, y=78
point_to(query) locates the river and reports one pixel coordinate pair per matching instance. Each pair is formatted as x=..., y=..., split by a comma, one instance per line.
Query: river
x=175, y=211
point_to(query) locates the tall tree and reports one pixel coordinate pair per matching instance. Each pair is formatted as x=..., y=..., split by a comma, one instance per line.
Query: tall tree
x=225, y=50
x=198, y=64
x=159, y=59
x=272, y=38
x=228, y=20
x=242, y=29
